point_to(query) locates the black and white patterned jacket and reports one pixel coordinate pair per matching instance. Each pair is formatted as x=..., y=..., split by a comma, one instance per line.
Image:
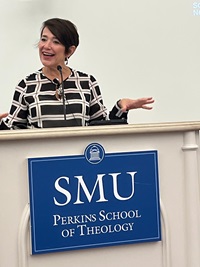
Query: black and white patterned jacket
x=36, y=105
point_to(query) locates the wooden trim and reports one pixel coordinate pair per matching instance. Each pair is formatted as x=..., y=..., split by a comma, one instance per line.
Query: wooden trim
x=100, y=130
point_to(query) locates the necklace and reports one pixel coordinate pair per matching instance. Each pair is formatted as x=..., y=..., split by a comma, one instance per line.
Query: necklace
x=58, y=85
x=52, y=74
x=58, y=92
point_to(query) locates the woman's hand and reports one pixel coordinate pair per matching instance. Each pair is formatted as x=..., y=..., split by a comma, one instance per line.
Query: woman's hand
x=3, y=115
x=127, y=104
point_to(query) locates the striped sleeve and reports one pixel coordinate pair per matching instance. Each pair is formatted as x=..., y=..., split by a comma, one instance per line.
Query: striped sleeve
x=18, y=112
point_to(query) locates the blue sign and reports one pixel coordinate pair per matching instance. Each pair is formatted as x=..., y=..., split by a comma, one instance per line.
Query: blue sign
x=92, y=200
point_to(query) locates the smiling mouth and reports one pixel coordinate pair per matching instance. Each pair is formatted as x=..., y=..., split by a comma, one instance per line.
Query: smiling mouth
x=48, y=54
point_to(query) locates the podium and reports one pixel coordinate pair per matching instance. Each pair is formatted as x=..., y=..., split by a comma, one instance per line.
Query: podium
x=178, y=165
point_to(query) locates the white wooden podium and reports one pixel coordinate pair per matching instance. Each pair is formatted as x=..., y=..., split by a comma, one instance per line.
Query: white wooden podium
x=178, y=158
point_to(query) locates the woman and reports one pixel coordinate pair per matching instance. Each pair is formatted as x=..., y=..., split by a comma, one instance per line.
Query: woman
x=39, y=100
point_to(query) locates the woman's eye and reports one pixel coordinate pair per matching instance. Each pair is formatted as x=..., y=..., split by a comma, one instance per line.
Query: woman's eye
x=43, y=39
x=56, y=42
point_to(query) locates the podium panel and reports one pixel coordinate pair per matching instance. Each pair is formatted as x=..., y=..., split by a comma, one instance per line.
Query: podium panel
x=178, y=165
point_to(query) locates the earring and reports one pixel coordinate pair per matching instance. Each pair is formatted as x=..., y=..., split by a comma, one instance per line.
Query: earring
x=66, y=60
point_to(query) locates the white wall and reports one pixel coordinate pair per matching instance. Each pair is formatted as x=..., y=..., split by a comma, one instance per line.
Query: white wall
x=133, y=48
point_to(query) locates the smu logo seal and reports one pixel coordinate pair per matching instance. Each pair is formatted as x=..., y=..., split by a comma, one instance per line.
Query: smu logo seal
x=94, y=153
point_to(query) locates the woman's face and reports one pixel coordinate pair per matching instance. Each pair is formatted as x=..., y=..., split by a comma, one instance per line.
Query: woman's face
x=51, y=51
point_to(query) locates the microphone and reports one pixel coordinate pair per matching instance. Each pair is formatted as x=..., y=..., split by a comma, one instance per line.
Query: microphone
x=56, y=81
x=59, y=68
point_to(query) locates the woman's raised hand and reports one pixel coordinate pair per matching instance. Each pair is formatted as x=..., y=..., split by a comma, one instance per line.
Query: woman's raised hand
x=128, y=104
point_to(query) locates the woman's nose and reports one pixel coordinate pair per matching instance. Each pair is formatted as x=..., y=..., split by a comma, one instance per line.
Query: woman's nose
x=47, y=44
